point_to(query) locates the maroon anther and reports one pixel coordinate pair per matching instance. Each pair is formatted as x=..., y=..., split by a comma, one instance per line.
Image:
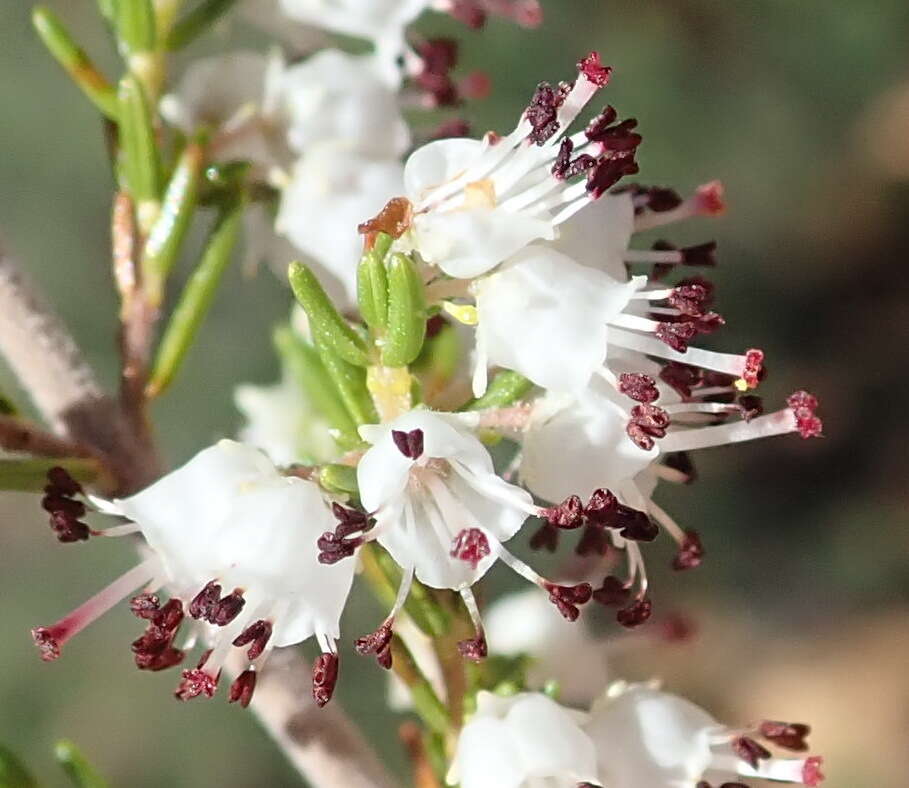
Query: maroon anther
x=803, y=406
x=447, y=129
x=564, y=167
x=439, y=56
x=154, y=649
x=689, y=299
x=601, y=507
x=471, y=546
x=660, y=199
x=754, y=365
x=676, y=335
x=567, y=515
x=750, y=751
x=788, y=735
x=646, y=423
x=474, y=649
x=637, y=613
x=594, y=541
x=377, y=643
x=812, y=776
x=63, y=509
x=170, y=657
x=594, y=70
x=228, y=608
x=196, y=682
x=691, y=552
x=256, y=635
x=434, y=325
x=60, y=482
x=334, y=546
x=203, y=603
x=709, y=322
x=567, y=598
x=410, y=444
x=545, y=538
x=242, y=689
x=324, y=678
x=681, y=377
x=170, y=616
x=145, y=606
x=700, y=254
x=612, y=592
x=750, y=406
x=542, y=113
x=608, y=172
x=469, y=12
x=618, y=139
x=638, y=386
x=47, y=643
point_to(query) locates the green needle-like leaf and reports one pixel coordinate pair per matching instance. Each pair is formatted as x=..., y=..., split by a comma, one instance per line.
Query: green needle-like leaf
x=350, y=381
x=13, y=773
x=425, y=701
x=135, y=25
x=75, y=62
x=80, y=772
x=339, y=478
x=141, y=163
x=372, y=292
x=197, y=297
x=329, y=329
x=406, y=313
x=196, y=22
x=168, y=232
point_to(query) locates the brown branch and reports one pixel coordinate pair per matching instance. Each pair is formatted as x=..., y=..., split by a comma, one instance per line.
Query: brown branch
x=23, y=436
x=322, y=744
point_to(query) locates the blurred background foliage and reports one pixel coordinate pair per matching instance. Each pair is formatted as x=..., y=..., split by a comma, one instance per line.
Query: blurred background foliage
x=802, y=110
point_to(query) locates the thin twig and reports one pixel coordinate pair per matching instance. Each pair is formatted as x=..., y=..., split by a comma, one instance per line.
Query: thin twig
x=23, y=436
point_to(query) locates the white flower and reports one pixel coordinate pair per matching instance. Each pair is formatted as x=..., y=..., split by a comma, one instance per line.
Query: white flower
x=547, y=317
x=523, y=741
x=429, y=482
x=234, y=543
x=335, y=97
x=526, y=623
x=237, y=95
x=281, y=421
x=478, y=203
x=331, y=190
x=645, y=737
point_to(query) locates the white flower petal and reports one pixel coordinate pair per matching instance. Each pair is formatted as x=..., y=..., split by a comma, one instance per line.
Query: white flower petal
x=598, y=236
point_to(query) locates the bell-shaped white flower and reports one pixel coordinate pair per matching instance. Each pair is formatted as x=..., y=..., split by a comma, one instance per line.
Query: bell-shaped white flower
x=330, y=191
x=477, y=203
x=646, y=737
x=234, y=543
x=547, y=317
x=523, y=741
x=237, y=95
x=565, y=652
x=336, y=97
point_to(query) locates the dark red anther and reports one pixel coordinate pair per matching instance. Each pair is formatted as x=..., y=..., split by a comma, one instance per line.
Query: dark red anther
x=564, y=167
x=469, y=12
x=567, y=598
x=203, y=603
x=751, y=406
x=788, y=735
x=635, y=525
x=609, y=170
x=750, y=751
x=594, y=541
x=754, y=363
x=170, y=657
x=691, y=552
x=709, y=322
x=196, y=682
x=676, y=335
x=46, y=640
x=474, y=649
x=660, y=200
x=646, y=423
x=811, y=771
x=60, y=482
x=594, y=70
x=545, y=538
x=170, y=616
x=324, y=678
x=242, y=689
x=228, y=608
x=256, y=635
x=681, y=377
x=448, y=129
x=637, y=613
x=689, y=299
x=410, y=444
x=542, y=113
x=68, y=529
x=601, y=507
x=334, y=546
x=638, y=386
x=803, y=406
x=567, y=515
x=471, y=546
x=145, y=606
x=64, y=510
x=612, y=592
x=700, y=254
x=439, y=56
x=377, y=643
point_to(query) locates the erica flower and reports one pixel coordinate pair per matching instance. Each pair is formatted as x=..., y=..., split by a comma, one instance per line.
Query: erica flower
x=645, y=737
x=523, y=741
x=232, y=542
x=434, y=502
x=476, y=203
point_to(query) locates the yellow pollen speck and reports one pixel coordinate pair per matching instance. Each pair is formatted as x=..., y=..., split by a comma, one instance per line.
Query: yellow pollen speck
x=741, y=385
x=463, y=313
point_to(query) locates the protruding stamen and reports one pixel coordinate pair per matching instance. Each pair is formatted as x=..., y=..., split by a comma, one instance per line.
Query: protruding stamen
x=706, y=201
x=639, y=387
x=203, y=604
x=612, y=592
x=803, y=406
x=196, y=682
x=646, y=423
x=256, y=635
x=567, y=515
x=64, y=510
x=347, y=536
x=228, y=608
x=788, y=735
x=377, y=643
x=637, y=613
x=474, y=648
x=324, y=678
x=567, y=598
x=242, y=688
x=604, y=510
x=750, y=751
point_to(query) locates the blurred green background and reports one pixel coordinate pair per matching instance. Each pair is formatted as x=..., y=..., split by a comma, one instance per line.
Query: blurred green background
x=802, y=110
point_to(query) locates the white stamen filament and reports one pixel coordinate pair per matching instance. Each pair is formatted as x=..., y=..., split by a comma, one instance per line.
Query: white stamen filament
x=729, y=363
x=778, y=423
x=663, y=518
